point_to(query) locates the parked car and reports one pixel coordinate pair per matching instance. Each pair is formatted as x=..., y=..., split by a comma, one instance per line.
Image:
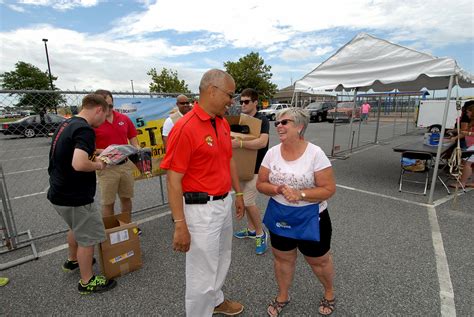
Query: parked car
x=271, y=111
x=32, y=126
x=318, y=111
x=344, y=112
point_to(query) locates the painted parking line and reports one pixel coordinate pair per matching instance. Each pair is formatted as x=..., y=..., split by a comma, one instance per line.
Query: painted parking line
x=446, y=292
x=27, y=171
x=23, y=158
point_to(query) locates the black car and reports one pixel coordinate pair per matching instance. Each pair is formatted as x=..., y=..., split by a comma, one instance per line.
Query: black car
x=32, y=126
x=318, y=111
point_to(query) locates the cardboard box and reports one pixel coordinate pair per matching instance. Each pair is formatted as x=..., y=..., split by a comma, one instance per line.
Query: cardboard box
x=120, y=253
x=245, y=159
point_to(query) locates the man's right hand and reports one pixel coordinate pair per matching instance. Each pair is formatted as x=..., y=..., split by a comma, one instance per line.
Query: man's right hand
x=181, y=238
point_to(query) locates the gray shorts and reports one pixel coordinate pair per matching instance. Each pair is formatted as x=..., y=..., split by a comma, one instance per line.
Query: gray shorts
x=85, y=222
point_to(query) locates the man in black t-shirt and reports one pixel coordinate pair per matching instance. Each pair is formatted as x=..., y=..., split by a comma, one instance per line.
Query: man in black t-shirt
x=254, y=230
x=72, y=181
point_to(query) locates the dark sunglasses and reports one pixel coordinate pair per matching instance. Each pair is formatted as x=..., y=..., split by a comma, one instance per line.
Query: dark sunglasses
x=283, y=122
x=245, y=102
x=184, y=103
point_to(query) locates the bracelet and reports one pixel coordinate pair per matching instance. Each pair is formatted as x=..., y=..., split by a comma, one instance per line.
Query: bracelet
x=239, y=194
x=178, y=220
x=241, y=143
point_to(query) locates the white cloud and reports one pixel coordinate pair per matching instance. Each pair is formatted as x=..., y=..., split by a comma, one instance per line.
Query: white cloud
x=61, y=4
x=261, y=23
x=100, y=61
x=16, y=8
x=285, y=32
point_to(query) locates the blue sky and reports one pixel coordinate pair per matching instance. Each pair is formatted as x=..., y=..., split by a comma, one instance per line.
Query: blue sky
x=105, y=44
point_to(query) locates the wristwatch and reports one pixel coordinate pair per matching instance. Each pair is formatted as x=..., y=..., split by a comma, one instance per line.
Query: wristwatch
x=303, y=195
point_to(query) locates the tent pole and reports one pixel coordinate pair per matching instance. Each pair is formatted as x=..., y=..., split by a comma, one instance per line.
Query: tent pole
x=293, y=96
x=352, y=117
x=440, y=144
x=378, y=120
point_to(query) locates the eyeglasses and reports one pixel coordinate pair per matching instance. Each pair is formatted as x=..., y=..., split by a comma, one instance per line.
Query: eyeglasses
x=245, y=102
x=231, y=95
x=184, y=103
x=283, y=122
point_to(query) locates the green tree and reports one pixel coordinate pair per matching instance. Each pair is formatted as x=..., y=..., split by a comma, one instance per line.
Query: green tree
x=251, y=72
x=29, y=77
x=167, y=81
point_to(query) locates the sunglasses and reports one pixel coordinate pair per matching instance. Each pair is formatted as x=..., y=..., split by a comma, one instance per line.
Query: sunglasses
x=245, y=102
x=184, y=103
x=231, y=95
x=283, y=122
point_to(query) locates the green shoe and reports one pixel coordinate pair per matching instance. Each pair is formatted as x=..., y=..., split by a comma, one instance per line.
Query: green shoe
x=97, y=284
x=4, y=281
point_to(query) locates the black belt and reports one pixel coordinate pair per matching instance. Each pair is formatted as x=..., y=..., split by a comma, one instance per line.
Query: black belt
x=123, y=162
x=201, y=198
x=211, y=198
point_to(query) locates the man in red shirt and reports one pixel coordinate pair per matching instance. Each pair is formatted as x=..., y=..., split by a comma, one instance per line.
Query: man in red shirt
x=116, y=179
x=200, y=168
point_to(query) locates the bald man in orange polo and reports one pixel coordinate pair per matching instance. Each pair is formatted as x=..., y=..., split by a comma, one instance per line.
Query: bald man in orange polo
x=200, y=174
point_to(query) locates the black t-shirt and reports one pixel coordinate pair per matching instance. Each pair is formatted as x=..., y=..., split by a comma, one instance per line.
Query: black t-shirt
x=264, y=129
x=68, y=187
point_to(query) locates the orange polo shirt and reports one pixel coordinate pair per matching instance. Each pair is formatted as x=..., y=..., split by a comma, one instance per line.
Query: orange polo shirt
x=200, y=152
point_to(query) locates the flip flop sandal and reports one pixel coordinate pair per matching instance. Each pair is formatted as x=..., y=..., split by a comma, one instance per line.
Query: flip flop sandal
x=277, y=307
x=327, y=304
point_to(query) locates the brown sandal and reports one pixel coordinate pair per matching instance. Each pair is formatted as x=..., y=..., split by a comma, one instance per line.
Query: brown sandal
x=327, y=304
x=277, y=307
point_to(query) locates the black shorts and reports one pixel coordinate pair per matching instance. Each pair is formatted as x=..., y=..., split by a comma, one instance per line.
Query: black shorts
x=307, y=248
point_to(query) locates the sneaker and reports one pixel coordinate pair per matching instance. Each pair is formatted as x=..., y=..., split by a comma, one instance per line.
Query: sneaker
x=228, y=308
x=97, y=284
x=4, y=281
x=261, y=245
x=245, y=233
x=69, y=265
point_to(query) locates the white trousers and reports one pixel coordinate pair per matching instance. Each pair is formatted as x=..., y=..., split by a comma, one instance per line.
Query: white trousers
x=209, y=256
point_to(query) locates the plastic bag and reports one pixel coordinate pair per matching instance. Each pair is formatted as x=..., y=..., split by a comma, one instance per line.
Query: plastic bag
x=142, y=160
x=115, y=154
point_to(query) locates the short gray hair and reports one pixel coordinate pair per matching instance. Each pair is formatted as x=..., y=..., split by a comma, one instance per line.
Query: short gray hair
x=300, y=116
x=212, y=78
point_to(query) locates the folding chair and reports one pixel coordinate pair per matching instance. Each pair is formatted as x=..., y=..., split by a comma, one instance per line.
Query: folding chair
x=421, y=167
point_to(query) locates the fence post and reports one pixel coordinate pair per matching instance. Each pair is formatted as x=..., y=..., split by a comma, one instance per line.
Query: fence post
x=11, y=239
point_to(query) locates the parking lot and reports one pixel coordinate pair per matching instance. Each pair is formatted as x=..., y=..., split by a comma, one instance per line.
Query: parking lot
x=394, y=254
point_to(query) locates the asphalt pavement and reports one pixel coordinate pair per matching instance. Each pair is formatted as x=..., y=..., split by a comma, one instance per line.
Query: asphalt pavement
x=394, y=255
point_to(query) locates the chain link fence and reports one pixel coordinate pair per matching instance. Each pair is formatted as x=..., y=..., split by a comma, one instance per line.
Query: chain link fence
x=388, y=117
x=28, y=119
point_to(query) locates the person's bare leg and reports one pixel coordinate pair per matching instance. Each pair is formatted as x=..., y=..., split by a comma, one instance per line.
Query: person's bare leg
x=72, y=244
x=254, y=219
x=466, y=172
x=126, y=204
x=323, y=268
x=108, y=210
x=284, y=264
x=84, y=258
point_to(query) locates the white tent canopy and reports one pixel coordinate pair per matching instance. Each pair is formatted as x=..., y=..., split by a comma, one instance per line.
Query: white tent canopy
x=367, y=62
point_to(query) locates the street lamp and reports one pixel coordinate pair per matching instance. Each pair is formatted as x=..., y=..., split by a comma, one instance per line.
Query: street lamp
x=49, y=70
x=47, y=59
x=133, y=92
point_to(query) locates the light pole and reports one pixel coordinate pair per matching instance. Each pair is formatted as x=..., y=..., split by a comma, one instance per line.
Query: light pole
x=133, y=92
x=49, y=70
